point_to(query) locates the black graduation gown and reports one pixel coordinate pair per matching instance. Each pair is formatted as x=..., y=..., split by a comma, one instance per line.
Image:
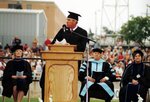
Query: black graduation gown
x=128, y=91
x=22, y=84
x=95, y=90
x=72, y=38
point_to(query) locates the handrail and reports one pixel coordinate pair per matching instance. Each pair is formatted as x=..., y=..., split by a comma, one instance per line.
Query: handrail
x=22, y=58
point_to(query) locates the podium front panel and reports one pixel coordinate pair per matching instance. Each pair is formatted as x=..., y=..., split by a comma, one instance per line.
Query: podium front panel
x=61, y=73
x=61, y=81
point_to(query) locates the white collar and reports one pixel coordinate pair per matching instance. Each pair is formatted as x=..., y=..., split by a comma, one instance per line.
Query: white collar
x=75, y=28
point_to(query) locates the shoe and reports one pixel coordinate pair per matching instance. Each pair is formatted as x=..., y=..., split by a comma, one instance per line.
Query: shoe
x=40, y=100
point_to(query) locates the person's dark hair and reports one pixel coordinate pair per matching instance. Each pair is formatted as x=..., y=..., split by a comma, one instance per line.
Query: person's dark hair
x=1, y=47
x=16, y=45
x=18, y=41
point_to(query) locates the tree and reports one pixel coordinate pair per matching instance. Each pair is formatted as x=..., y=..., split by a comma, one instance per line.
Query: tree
x=137, y=30
x=90, y=34
x=107, y=31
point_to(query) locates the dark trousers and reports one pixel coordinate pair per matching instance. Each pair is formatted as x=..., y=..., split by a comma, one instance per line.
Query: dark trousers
x=129, y=93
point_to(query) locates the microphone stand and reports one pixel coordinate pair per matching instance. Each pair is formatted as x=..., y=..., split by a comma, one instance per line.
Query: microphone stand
x=88, y=39
x=87, y=59
x=87, y=72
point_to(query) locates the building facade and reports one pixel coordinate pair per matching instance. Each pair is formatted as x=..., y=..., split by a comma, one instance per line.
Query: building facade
x=55, y=17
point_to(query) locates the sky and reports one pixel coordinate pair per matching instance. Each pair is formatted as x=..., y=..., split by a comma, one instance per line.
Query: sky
x=94, y=17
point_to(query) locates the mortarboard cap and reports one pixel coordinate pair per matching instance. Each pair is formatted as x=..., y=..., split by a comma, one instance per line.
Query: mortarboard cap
x=73, y=15
x=16, y=47
x=137, y=52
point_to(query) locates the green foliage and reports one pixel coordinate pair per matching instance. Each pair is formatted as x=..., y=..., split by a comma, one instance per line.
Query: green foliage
x=107, y=31
x=90, y=34
x=137, y=29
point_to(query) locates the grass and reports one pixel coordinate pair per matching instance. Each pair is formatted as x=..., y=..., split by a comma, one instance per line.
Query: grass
x=24, y=100
x=36, y=100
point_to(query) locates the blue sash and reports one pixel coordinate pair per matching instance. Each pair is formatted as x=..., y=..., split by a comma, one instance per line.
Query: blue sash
x=84, y=90
x=104, y=86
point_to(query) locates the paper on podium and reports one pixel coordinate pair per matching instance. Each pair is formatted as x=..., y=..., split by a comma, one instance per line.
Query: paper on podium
x=63, y=42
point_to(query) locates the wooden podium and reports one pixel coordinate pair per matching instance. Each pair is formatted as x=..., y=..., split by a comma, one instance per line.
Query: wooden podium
x=61, y=73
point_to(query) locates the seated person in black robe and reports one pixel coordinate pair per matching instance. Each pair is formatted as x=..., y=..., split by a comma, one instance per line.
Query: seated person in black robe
x=99, y=77
x=135, y=80
x=17, y=76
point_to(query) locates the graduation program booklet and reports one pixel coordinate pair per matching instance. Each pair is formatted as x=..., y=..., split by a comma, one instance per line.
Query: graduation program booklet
x=19, y=73
x=98, y=76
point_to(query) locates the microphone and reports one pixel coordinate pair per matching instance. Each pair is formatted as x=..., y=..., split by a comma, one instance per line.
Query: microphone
x=64, y=27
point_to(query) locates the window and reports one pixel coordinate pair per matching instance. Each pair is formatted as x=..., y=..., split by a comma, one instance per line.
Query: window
x=15, y=6
x=29, y=6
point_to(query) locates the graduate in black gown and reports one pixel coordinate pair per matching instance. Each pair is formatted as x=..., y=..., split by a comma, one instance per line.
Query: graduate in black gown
x=73, y=34
x=100, y=77
x=17, y=75
x=135, y=80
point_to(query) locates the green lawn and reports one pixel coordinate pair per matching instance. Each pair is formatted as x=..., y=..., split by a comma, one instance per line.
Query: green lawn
x=36, y=100
x=24, y=100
